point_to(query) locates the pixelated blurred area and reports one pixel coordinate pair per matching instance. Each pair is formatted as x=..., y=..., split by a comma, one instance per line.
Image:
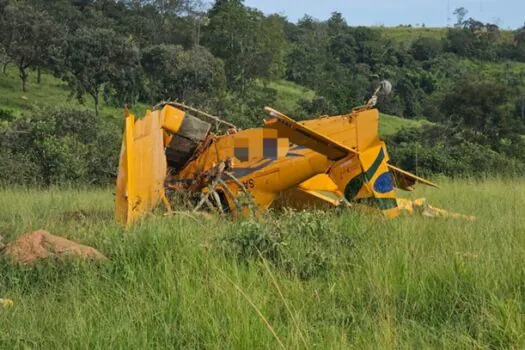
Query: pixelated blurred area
x=260, y=144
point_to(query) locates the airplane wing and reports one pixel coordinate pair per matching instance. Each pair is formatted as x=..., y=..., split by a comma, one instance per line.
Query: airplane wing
x=406, y=180
x=302, y=135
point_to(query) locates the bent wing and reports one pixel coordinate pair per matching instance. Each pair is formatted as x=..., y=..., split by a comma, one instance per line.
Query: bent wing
x=406, y=180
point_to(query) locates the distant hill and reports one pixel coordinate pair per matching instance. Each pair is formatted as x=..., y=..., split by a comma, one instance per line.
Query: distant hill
x=406, y=35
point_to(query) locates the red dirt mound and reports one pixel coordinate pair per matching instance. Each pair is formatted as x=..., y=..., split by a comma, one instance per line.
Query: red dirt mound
x=41, y=245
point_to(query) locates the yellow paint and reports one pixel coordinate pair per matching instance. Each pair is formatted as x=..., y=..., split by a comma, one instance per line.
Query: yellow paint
x=335, y=151
x=321, y=182
x=171, y=118
x=420, y=206
x=6, y=303
x=142, y=168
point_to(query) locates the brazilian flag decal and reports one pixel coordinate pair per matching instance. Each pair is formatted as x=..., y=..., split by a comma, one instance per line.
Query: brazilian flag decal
x=354, y=185
x=383, y=184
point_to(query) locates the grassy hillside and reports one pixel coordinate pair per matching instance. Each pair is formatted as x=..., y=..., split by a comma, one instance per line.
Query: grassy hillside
x=289, y=94
x=390, y=124
x=51, y=92
x=406, y=35
x=327, y=281
x=54, y=92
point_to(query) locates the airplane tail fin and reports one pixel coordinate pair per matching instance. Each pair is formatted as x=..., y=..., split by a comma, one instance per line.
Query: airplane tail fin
x=362, y=174
x=367, y=180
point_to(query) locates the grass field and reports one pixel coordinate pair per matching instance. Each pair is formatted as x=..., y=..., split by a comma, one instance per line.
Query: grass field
x=321, y=280
x=405, y=35
x=289, y=94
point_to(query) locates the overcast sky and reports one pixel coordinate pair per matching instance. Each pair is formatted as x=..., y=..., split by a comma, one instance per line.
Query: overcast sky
x=433, y=13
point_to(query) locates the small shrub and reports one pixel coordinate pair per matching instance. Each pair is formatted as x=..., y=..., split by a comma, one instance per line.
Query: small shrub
x=251, y=239
x=6, y=115
x=313, y=237
x=304, y=244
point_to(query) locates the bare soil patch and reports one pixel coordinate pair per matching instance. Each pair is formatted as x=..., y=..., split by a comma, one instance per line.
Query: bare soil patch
x=40, y=245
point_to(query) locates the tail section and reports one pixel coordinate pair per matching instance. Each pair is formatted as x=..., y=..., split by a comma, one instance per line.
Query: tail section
x=367, y=180
x=360, y=170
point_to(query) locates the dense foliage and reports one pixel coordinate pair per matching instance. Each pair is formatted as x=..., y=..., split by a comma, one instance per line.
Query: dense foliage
x=224, y=58
x=59, y=146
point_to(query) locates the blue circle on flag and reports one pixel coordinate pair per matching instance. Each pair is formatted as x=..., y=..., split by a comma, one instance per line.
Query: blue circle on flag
x=384, y=183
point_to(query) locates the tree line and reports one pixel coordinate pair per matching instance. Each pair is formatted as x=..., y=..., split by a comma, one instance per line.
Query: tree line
x=148, y=50
x=222, y=58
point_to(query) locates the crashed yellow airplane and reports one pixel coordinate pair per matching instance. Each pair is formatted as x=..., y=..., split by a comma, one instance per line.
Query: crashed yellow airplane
x=171, y=155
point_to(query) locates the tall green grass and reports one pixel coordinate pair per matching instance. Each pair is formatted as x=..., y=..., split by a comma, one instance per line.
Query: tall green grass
x=303, y=280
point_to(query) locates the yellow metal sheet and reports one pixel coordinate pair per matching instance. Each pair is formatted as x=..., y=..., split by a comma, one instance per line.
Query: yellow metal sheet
x=321, y=182
x=302, y=135
x=366, y=128
x=142, y=168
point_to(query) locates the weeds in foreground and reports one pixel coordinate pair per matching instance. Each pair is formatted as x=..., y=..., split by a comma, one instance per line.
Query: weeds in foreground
x=293, y=280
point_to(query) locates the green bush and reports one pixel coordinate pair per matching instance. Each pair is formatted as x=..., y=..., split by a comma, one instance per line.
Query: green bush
x=60, y=145
x=304, y=244
x=252, y=239
x=17, y=168
x=6, y=115
x=246, y=109
x=437, y=149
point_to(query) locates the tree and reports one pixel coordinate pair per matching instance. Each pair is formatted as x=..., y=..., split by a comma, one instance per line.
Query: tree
x=474, y=40
x=425, y=48
x=486, y=107
x=342, y=44
x=306, y=61
x=370, y=45
x=4, y=59
x=460, y=14
x=336, y=24
x=250, y=44
x=30, y=37
x=193, y=76
x=519, y=35
x=519, y=44
x=171, y=6
x=96, y=57
x=411, y=95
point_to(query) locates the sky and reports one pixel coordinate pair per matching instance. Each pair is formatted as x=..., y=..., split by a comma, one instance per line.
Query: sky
x=432, y=13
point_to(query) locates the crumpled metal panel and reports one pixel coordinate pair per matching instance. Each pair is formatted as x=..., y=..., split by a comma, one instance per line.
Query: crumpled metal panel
x=142, y=168
x=186, y=141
